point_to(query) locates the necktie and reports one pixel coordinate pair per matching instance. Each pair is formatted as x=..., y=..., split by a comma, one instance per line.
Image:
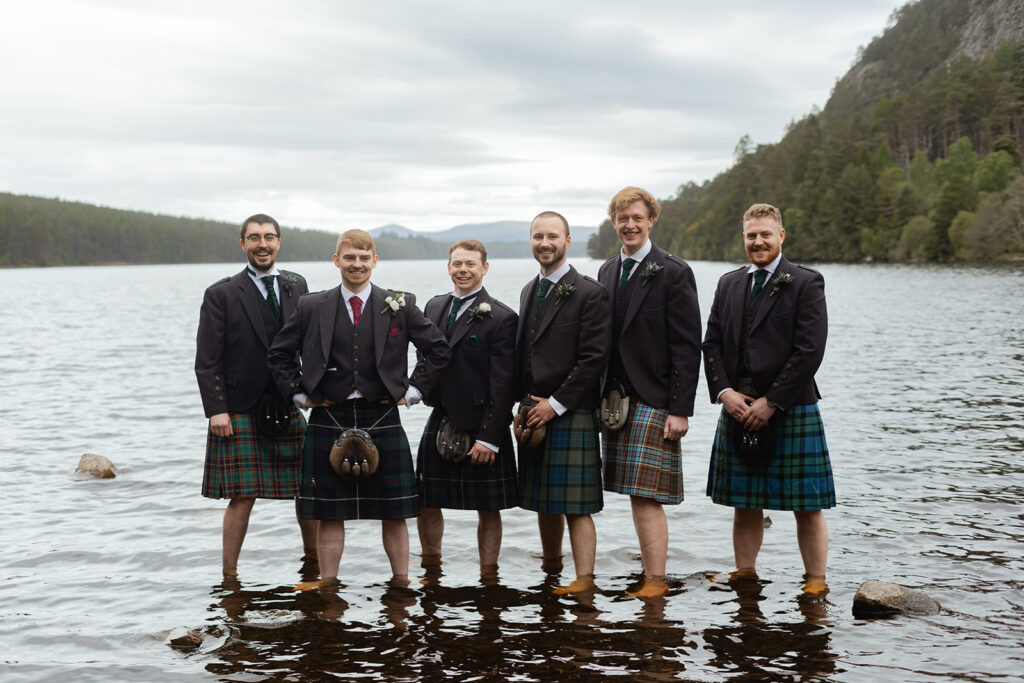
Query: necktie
x=268, y=282
x=759, y=277
x=627, y=268
x=542, y=291
x=357, y=307
x=456, y=305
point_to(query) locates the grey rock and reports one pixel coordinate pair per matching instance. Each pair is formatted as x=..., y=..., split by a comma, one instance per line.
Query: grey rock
x=880, y=599
x=184, y=638
x=96, y=466
x=767, y=522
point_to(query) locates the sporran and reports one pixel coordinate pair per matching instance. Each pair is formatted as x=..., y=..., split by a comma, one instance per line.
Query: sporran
x=452, y=443
x=615, y=408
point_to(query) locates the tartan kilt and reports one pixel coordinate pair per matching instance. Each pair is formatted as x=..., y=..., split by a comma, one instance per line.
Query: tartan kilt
x=465, y=486
x=390, y=493
x=637, y=459
x=563, y=476
x=248, y=464
x=797, y=477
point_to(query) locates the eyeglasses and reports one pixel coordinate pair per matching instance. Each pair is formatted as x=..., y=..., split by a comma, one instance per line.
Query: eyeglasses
x=256, y=239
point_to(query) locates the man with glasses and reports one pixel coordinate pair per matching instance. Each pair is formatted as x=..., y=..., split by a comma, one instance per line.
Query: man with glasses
x=254, y=441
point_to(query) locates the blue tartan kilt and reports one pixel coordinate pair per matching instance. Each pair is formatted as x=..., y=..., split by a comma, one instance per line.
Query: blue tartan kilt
x=797, y=477
x=390, y=493
x=248, y=464
x=465, y=486
x=563, y=475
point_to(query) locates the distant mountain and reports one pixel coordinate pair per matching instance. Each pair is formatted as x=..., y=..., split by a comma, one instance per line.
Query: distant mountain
x=488, y=233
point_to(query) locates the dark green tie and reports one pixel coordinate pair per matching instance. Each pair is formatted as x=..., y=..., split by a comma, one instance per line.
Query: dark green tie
x=759, y=277
x=268, y=282
x=542, y=291
x=456, y=305
x=627, y=268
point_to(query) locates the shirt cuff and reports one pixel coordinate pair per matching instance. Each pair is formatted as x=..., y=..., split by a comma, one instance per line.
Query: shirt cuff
x=488, y=446
x=412, y=396
x=718, y=399
x=300, y=400
x=556, y=406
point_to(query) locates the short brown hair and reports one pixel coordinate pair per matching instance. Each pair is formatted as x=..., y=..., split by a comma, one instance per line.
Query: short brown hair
x=360, y=239
x=627, y=195
x=762, y=211
x=259, y=219
x=551, y=214
x=469, y=245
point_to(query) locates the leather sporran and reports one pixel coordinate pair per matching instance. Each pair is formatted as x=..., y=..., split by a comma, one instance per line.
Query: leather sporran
x=615, y=408
x=527, y=436
x=354, y=455
x=272, y=418
x=756, y=447
x=452, y=443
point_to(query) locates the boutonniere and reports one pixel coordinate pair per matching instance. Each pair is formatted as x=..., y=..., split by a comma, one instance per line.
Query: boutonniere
x=288, y=281
x=780, y=281
x=478, y=312
x=651, y=270
x=394, y=302
x=563, y=290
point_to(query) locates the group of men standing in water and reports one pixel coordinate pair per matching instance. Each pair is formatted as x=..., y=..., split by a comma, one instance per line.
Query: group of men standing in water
x=604, y=372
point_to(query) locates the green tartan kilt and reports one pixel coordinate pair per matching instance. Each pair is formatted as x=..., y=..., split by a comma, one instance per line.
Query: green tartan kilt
x=797, y=477
x=465, y=486
x=248, y=464
x=563, y=475
x=389, y=493
x=637, y=459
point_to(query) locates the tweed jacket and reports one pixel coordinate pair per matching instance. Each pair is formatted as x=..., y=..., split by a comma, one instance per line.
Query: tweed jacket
x=570, y=344
x=786, y=341
x=477, y=389
x=660, y=339
x=232, y=342
x=310, y=331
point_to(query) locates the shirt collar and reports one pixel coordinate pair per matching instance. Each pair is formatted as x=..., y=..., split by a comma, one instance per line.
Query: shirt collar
x=468, y=296
x=557, y=275
x=640, y=254
x=256, y=275
x=363, y=296
x=770, y=267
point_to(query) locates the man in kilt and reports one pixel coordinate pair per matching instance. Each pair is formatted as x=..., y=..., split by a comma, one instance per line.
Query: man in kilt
x=353, y=341
x=563, y=339
x=255, y=436
x=655, y=361
x=476, y=398
x=765, y=340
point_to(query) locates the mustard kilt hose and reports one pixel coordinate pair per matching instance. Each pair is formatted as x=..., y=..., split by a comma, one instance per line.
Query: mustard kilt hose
x=798, y=476
x=248, y=464
x=389, y=493
x=638, y=461
x=563, y=475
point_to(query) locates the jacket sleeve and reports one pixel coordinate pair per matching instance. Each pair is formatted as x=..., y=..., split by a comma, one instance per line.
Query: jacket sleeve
x=683, y=342
x=283, y=357
x=714, y=368
x=501, y=363
x=593, y=346
x=433, y=351
x=210, y=345
x=808, y=343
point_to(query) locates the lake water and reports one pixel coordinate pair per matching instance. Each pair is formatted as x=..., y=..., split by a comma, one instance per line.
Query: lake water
x=924, y=413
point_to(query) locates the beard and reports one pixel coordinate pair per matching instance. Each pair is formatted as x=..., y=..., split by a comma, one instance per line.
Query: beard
x=555, y=256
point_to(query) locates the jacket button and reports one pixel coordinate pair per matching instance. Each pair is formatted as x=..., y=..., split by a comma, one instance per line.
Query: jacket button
x=775, y=384
x=715, y=378
x=788, y=366
x=216, y=377
x=323, y=365
x=783, y=375
x=220, y=398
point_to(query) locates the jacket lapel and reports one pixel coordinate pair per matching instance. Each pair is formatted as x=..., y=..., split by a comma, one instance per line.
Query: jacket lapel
x=551, y=302
x=327, y=309
x=289, y=300
x=463, y=324
x=611, y=282
x=656, y=255
x=738, y=295
x=529, y=290
x=763, y=307
x=250, y=298
x=382, y=323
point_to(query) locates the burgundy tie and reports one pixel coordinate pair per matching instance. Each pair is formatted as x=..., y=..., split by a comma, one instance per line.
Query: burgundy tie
x=357, y=308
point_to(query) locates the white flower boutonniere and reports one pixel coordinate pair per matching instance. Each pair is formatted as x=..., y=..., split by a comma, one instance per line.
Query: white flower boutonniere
x=479, y=312
x=394, y=302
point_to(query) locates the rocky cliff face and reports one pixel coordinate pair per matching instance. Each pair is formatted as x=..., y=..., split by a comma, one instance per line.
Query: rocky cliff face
x=992, y=23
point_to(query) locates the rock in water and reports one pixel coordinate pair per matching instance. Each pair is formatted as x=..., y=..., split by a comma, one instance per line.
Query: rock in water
x=881, y=599
x=96, y=466
x=184, y=638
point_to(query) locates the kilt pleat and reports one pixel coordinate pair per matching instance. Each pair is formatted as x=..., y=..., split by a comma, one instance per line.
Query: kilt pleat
x=248, y=464
x=390, y=493
x=797, y=477
x=563, y=476
x=465, y=486
x=638, y=461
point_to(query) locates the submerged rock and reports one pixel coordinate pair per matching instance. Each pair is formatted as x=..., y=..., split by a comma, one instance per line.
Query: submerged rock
x=185, y=638
x=881, y=599
x=96, y=466
x=767, y=522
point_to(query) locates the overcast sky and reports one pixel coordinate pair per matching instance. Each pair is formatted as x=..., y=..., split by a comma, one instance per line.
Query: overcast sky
x=333, y=115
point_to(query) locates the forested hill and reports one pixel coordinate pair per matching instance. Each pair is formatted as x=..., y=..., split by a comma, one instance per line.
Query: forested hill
x=916, y=155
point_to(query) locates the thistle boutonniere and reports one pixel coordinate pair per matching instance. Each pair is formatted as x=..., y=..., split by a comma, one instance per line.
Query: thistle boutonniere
x=394, y=302
x=288, y=281
x=479, y=312
x=780, y=281
x=651, y=270
x=563, y=290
